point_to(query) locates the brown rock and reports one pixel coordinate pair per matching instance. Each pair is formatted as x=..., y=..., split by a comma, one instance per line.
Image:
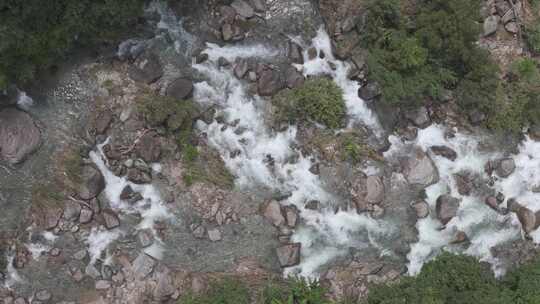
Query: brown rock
x=272, y=211
x=446, y=208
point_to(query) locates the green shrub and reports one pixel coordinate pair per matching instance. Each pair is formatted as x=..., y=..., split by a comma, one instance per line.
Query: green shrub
x=532, y=36
x=417, y=54
x=35, y=34
x=319, y=100
x=175, y=115
x=449, y=279
x=226, y=291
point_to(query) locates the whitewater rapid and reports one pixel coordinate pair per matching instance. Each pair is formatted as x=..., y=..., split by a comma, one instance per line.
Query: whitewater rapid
x=326, y=235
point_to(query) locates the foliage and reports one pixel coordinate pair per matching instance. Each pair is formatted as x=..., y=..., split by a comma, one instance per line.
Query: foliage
x=174, y=115
x=73, y=164
x=35, y=34
x=226, y=291
x=519, y=105
x=296, y=291
x=417, y=55
x=532, y=36
x=319, y=99
x=449, y=279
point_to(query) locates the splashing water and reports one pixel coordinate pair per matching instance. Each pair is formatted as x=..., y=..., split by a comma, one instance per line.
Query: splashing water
x=24, y=101
x=324, y=235
x=151, y=208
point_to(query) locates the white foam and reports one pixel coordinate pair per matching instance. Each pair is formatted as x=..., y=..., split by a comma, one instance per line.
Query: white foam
x=484, y=227
x=324, y=235
x=24, y=101
x=12, y=276
x=151, y=208
x=98, y=241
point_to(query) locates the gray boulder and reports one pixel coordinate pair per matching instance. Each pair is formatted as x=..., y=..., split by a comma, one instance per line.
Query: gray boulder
x=421, y=209
x=419, y=117
x=419, y=169
x=149, y=148
x=446, y=208
x=295, y=53
x=289, y=255
x=19, y=135
x=370, y=91
x=505, y=167
x=490, y=25
x=92, y=182
x=272, y=211
x=269, y=83
x=111, y=219
x=180, y=89
x=243, y=8
x=147, y=68
x=445, y=152
x=374, y=189
x=143, y=265
x=294, y=78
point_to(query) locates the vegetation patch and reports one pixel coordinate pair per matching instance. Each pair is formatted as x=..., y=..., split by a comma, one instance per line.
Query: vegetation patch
x=232, y=291
x=162, y=111
x=35, y=34
x=319, y=100
x=416, y=54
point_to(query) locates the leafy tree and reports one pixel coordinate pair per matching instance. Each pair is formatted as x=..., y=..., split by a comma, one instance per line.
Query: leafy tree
x=36, y=33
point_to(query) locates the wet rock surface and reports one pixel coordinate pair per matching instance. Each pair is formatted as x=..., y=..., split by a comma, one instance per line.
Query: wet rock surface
x=114, y=241
x=19, y=135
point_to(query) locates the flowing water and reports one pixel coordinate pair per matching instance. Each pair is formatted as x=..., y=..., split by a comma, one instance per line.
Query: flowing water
x=325, y=235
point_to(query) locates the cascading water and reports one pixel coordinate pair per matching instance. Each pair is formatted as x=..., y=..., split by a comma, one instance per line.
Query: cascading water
x=325, y=234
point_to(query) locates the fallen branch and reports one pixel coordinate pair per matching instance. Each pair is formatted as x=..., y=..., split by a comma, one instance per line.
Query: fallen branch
x=126, y=150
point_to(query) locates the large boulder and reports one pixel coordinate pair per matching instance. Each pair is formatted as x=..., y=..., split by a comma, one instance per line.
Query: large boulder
x=110, y=218
x=421, y=209
x=19, y=135
x=444, y=151
x=243, y=8
x=289, y=255
x=147, y=68
x=369, y=91
x=446, y=208
x=419, y=169
x=269, y=83
x=272, y=211
x=92, y=182
x=529, y=220
x=374, y=189
x=149, y=148
x=180, y=89
x=143, y=266
x=295, y=53
x=419, y=117
x=505, y=167
x=490, y=25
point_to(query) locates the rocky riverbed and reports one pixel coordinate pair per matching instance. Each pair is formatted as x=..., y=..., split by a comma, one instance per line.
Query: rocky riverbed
x=102, y=206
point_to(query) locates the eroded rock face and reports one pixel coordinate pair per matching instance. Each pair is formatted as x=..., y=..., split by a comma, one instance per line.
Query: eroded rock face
x=19, y=136
x=419, y=169
x=446, y=208
x=92, y=183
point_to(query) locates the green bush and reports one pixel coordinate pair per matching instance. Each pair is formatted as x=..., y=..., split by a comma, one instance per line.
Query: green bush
x=295, y=291
x=518, y=101
x=35, y=34
x=226, y=291
x=175, y=115
x=449, y=279
x=319, y=100
x=416, y=55
x=532, y=36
